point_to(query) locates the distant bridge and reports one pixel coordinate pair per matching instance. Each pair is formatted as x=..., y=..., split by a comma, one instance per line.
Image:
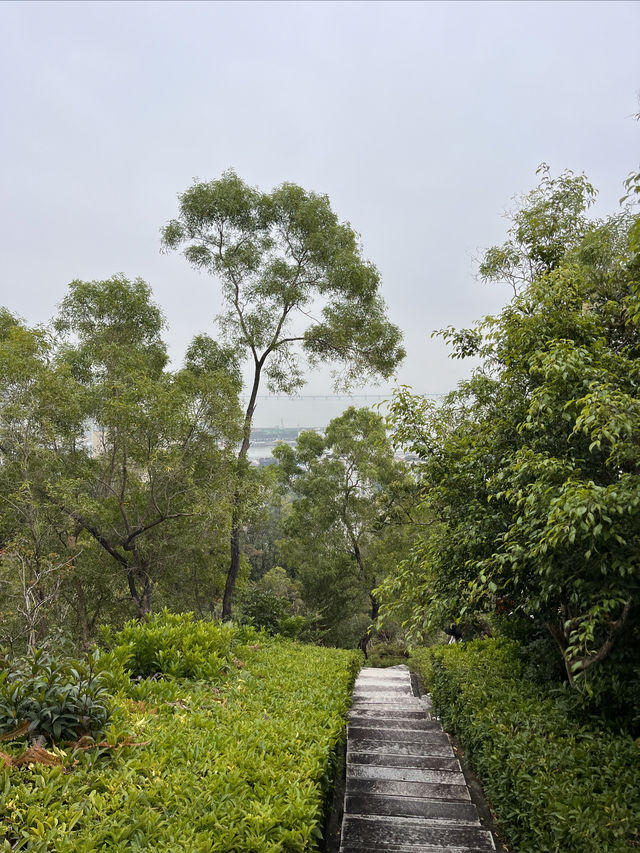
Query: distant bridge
x=318, y=396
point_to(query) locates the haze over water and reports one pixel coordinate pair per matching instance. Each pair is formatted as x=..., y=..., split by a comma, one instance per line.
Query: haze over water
x=308, y=411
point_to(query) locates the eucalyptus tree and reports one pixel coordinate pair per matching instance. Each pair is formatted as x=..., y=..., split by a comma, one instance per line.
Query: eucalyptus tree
x=294, y=285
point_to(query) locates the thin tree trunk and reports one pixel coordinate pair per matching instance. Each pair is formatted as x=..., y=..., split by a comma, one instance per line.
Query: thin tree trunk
x=234, y=567
x=82, y=613
x=375, y=607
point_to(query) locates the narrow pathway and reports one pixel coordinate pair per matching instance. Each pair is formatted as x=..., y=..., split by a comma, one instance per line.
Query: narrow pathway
x=405, y=791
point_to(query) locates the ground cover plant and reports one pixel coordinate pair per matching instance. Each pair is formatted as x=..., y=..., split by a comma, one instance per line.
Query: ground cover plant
x=50, y=696
x=555, y=785
x=240, y=760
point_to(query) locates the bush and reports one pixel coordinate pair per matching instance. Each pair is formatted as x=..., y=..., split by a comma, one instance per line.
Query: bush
x=386, y=653
x=555, y=785
x=62, y=699
x=174, y=644
x=241, y=767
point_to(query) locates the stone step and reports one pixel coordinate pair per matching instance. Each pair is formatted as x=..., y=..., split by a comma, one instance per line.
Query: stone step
x=359, y=732
x=363, y=832
x=395, y=848
x=393, y=723
x=401, y=713
x=404, y=774
x=432, y=743
x=440, y=810
x=391, y=788
x=419, y=762
x=407, y=704
x=385, y=695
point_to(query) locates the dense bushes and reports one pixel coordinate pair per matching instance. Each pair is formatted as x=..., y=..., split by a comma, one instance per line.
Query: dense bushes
x=177, y=645
x=556, y=786
x=58, y=697
x=242, y=765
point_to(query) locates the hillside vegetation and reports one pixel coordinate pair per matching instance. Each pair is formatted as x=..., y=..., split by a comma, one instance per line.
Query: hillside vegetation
x=238, y=756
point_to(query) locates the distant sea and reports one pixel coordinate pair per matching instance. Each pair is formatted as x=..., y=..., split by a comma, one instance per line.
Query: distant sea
x=308, y=411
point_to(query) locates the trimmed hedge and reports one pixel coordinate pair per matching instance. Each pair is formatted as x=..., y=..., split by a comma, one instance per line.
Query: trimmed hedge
x=241, y=766
x=556, y=786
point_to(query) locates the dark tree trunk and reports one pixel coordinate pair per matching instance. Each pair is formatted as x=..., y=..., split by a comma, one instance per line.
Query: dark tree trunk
x=81, y=610
x=140, y=589
x=234, y=567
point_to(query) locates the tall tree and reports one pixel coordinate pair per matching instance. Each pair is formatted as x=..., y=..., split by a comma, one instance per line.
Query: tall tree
x=165, y=438
x=531, y=469
x=154, y=487
x=294, y=283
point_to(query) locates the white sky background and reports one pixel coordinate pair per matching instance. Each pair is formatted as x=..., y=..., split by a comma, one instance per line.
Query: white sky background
x=419, y=120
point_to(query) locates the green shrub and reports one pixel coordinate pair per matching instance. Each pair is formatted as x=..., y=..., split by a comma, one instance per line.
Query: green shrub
x=242, y=766
x=555, y=785
x=174, y=644
x=386, y=653
x=61, y=698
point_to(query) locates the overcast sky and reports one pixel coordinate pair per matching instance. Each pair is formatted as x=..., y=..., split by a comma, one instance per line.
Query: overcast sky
x=420, y=121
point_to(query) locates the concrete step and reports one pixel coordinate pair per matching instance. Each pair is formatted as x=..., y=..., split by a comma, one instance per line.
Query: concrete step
x=419, y=762
x=434, y=735
x=440, y=810
x=432, y=743
x=391, y=788
x=363, y=832
x=409, y=703
x=404, y=774
x=394, y=848
x=394, y=723
x=382, y=712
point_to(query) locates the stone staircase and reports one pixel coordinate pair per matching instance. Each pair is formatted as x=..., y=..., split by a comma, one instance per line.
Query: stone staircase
x=405, y=791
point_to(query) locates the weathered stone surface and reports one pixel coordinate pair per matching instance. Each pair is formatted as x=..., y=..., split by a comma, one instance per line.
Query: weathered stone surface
x=383, y=679
x=428, y=790
x=381, y=712
x=405, y=792
x=401, y=848
x=399, y=735
x=433, y=743
x=425, y=762
x=405, y=774
x=442, y=810
x=361, y=831
x=387, y=706
x=411, y=723
x=385, y=695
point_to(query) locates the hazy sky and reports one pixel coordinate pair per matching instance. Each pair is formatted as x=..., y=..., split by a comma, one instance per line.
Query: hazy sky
x=419, y=120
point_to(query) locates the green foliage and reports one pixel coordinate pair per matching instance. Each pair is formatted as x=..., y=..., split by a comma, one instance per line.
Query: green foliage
x=273, y=603
x=143, y=507
x=555, y=785
x=383, y=653
x=349, y=518
x=61, y=698
x=275, y=254
x=244, y=766
x=176, y=645
x=295, y=288
x=530, y=470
